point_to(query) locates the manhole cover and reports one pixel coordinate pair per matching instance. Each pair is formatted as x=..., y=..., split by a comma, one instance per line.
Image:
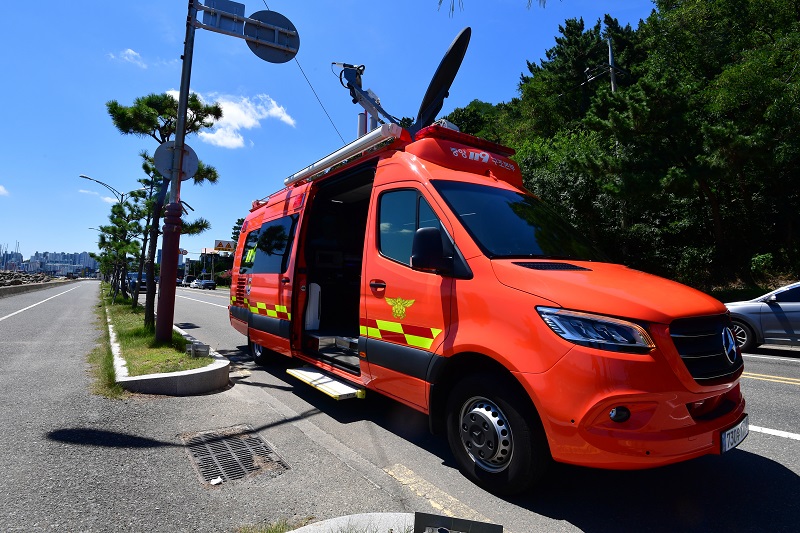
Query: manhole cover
x=232, y=453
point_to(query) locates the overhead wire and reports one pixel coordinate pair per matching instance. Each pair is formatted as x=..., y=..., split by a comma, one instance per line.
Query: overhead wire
x=314, y=91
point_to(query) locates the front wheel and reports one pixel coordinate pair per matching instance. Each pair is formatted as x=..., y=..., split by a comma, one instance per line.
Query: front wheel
x=257, y=352
x=495, y=435
x=744, y=335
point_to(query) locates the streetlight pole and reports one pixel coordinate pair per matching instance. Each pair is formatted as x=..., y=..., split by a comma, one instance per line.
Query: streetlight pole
x=120, y=196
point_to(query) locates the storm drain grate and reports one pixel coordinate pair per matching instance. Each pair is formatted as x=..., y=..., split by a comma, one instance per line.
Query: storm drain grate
x=232, y=453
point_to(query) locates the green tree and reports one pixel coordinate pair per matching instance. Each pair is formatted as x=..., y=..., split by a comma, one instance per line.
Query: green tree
x=155, y=116
x=709, y=131
x=117, y=245
x=688, y=168
x=237, y=227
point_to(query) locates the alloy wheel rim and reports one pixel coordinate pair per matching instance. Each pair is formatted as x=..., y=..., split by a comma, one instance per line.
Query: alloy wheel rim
x=740, y=334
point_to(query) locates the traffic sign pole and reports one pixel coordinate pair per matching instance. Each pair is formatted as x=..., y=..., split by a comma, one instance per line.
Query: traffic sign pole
x=172, y=213
x=273, y=38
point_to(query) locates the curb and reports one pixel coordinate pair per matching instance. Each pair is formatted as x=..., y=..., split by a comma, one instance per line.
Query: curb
x=183, y=383
x=377, y=522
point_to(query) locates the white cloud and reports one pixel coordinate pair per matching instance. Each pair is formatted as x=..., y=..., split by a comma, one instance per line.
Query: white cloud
x=240, y=113
x=129, y=56
x=106, y=199
x=4, y=191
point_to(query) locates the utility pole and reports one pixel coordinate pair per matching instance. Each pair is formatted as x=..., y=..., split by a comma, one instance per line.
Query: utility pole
x=612, y=67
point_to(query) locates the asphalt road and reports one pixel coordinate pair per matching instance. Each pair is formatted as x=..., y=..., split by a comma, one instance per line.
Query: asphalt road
x=77, y=462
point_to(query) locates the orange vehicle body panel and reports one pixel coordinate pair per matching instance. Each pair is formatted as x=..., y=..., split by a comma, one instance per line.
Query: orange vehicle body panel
x=433, y=320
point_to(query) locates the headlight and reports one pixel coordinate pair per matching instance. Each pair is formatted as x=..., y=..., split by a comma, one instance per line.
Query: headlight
x=595, y=331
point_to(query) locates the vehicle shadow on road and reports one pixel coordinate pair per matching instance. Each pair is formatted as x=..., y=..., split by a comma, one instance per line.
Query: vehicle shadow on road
x=384, y=412
x=741, y=491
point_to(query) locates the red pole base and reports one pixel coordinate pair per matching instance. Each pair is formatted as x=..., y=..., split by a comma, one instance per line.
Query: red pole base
x=170, y=247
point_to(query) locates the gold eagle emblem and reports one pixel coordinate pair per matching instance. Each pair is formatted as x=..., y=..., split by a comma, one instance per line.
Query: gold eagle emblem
x=399, y=306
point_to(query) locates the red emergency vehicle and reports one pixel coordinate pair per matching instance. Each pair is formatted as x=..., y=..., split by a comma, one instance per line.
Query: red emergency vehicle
x=413, y=263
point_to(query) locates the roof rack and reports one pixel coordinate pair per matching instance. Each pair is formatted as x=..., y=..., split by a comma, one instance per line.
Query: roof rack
x=360, y=145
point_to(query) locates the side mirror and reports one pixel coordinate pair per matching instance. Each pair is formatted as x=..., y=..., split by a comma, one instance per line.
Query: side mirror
x=427, y=252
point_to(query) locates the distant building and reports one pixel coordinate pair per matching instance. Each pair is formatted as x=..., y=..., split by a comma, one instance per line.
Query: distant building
x=55, y=263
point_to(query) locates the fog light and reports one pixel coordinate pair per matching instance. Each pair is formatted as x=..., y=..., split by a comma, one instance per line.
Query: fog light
x=619, y=414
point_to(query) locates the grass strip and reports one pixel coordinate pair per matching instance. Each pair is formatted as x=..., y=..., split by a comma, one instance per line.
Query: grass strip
x=101, y=361
x=139, y=348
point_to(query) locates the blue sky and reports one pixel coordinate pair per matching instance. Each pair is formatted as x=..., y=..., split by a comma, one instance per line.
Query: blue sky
x=62, y=61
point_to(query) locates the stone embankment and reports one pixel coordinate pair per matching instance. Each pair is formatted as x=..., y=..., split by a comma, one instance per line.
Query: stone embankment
x=18, y=282
x=8, y=279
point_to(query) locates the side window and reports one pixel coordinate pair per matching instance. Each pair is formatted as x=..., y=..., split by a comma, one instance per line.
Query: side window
x=249, y=252
x=267, y=249
x=792, y=295
x=401, y=214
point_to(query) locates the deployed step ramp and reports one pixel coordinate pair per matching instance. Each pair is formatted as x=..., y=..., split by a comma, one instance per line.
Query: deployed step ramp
x=338, y=390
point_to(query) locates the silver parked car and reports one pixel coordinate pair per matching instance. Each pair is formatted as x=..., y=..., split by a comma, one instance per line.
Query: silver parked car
x=773, y=318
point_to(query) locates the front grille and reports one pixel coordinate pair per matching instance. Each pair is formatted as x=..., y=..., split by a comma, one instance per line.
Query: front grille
x=701, y=343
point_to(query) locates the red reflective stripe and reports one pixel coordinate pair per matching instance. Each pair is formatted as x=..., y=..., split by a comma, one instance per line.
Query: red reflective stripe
x=408, y=329
x=417, y=331
x=393, y=337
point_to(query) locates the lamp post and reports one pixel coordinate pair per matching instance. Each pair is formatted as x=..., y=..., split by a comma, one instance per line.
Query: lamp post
x=120, y=196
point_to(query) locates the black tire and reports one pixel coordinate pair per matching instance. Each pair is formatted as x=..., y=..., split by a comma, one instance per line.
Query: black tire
x=495, y=434
x=744, y=335
x=257, y=352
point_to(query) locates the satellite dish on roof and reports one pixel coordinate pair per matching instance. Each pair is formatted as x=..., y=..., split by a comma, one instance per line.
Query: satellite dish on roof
x=439, y=87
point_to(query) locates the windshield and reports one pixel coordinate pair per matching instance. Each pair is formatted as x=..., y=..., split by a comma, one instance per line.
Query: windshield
x=510, y=225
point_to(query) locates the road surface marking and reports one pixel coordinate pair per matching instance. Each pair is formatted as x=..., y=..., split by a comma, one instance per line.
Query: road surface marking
x=776, y=432
x=202, y=302
x=772, y=357
x=38, y=303
x=774, y=379
x=439, y=500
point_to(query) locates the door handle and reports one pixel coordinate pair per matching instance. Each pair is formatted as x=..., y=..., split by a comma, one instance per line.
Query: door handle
x=286, y=280
x=377, y=285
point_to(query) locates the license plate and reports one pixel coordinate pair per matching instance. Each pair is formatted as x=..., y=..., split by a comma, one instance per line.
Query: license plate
x=734, y=436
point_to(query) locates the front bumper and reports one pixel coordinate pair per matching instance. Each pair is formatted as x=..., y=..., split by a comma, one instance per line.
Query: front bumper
x=672, y=418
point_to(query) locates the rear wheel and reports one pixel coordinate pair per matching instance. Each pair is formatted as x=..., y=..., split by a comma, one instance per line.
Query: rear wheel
x=257, y=352
x=495, y=435
x=744, y=335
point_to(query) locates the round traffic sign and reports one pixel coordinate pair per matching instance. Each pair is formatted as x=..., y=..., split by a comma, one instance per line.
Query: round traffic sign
x=162, y=159
x=274, y=45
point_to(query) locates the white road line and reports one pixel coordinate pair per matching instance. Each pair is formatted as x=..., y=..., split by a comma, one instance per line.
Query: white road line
x=776, y=432
x=202, y=302
x=772, y=357
x=38, y=303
